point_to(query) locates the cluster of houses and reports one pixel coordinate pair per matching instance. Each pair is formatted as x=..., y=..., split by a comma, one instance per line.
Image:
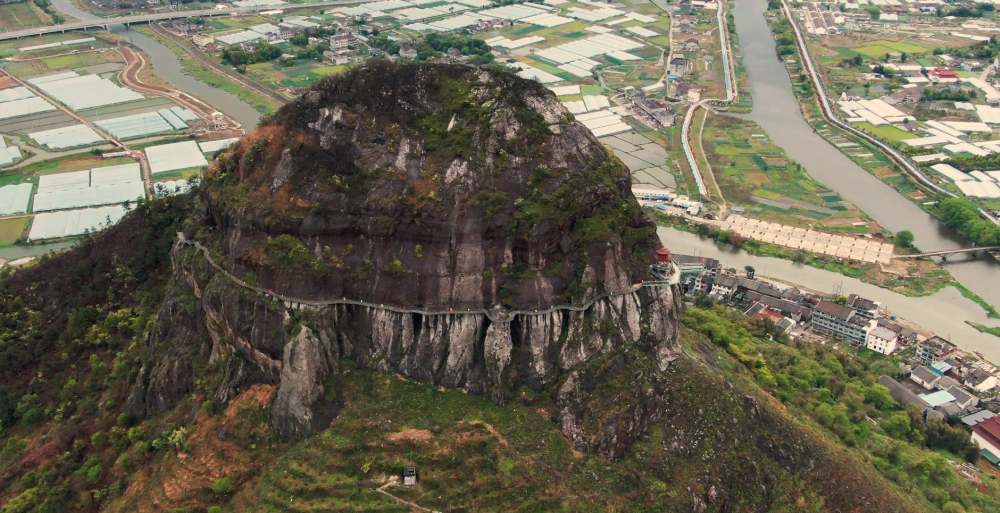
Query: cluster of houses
x=944, y=382
x=948, y=383
x=858, y=321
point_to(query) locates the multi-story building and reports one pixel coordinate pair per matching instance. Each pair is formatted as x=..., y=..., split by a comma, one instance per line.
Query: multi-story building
x=882, y=340
x=865, y=307
x=841, y=321
x=933, y=349
x=341, y=41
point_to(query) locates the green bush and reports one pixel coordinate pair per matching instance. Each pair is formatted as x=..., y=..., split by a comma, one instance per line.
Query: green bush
x=223, y=486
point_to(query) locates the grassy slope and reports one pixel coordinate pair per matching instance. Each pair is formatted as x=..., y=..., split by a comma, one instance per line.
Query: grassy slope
x=719, y=432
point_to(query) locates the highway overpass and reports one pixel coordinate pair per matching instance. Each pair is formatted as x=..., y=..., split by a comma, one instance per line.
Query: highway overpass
x=146, y=18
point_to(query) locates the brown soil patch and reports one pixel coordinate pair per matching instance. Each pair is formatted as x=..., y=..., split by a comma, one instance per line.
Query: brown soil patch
x=179, y=481
x=841, y=221
x=256, y=396
x=414, y=435
x=38, y=457
x=489, y=429
x=6, y=82
x=884, y=172
x=836, y=41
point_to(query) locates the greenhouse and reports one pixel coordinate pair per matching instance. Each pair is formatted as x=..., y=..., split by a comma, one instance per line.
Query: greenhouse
x=80, y=92
x=175, y=157
x=67, y=137
x=74, y=222
x=14, y=198
x=100, y=186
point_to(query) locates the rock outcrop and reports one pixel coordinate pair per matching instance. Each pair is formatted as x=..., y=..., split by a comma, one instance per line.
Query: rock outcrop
x=451, y=224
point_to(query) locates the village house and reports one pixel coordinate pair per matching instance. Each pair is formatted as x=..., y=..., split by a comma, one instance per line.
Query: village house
x=864, y=307
x=933, y=349
x=840, y=321
x=924, y=377
x=679, y=66
x=881, y=340
x=692, y=45
x=407, y=51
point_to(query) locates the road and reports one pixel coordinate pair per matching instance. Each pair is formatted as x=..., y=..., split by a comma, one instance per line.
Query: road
x=731, y=94
x=829, y=114
x=146, y=18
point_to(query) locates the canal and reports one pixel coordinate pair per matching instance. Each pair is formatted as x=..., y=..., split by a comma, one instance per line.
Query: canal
x=777, y=111
x=169, y=68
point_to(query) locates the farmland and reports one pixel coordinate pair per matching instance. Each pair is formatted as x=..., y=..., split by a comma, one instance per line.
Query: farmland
x=754, y=173
x=21, y=16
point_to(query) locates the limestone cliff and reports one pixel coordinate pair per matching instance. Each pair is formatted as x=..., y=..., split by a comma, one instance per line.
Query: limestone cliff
x=451, y=224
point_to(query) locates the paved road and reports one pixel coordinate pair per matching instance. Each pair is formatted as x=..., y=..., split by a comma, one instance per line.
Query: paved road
x=146, y=18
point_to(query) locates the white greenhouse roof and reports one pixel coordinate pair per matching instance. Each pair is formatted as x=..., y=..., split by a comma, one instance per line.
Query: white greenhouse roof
x=74, y=222
x=15, y=93
x=63, y=181
x=99, y=186
x=216, y=145
x=67, y=137
x=24, y=107
x=14, y=199
x=110, y=175
x=641, y=31
x=174, y=157
x=136, y=125
x=87, y=91
x=171, y=187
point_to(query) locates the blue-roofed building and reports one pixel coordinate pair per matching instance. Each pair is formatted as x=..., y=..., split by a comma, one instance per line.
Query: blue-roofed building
x=938, y=398
x=941, y=368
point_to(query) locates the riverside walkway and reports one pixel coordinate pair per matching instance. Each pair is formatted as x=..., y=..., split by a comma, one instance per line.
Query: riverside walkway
x=496, y=314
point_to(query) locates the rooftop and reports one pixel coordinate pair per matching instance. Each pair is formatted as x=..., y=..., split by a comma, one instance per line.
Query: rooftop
x=925, y=374
x=883, y=333
x=989, y=429
x=831, y=308
x=938, y=398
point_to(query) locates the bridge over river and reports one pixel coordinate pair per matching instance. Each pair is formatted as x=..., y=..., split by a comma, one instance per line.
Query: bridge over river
x=944, y=254
x=104, y=23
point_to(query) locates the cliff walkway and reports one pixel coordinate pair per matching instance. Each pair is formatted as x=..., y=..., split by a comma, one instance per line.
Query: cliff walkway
x=496, y=315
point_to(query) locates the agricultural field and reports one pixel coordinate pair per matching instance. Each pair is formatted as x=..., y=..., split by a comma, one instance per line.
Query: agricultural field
x=887, y=133
x=878, y=49
x=65, y=62
x=21, y=16
x=753, y=172
x=277, y=76
x=10, y=47
x=11, y=230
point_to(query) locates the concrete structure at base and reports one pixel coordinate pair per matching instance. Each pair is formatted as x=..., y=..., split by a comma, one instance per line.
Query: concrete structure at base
x=841, y=321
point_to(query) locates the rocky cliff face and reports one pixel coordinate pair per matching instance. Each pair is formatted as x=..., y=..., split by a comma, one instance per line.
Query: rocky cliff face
x=476, y=236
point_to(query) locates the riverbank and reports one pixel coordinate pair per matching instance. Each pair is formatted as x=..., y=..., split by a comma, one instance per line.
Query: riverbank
x=924, y=278
x=204, y=74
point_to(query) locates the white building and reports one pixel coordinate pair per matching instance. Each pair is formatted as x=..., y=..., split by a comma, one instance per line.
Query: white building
x=881, y=339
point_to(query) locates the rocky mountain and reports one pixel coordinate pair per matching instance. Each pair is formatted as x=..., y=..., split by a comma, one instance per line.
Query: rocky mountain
x=421, y=265
x=452, y=224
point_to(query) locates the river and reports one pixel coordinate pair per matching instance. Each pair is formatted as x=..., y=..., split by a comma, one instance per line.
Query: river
x=169, y=68
x=777, y=111
x=943, y=313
